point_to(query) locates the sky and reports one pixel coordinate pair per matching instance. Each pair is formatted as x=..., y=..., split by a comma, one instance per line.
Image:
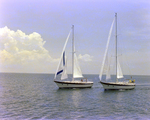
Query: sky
x=33, y=33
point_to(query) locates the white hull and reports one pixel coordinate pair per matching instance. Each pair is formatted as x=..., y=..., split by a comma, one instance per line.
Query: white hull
x=118, y=85
x=73, y=84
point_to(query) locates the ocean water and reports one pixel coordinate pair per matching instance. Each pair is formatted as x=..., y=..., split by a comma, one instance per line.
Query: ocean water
x=36, y=96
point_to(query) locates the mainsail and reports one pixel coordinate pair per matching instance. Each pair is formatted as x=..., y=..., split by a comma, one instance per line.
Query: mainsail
x=119, y=71
x=77, y=71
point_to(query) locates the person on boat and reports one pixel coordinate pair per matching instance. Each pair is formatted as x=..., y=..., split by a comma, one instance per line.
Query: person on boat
x=132, y=81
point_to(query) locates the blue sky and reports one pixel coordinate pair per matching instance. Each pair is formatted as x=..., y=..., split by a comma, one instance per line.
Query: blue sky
x=33, y=33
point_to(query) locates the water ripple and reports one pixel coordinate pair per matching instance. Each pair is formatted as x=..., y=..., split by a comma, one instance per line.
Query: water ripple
x=36, y=96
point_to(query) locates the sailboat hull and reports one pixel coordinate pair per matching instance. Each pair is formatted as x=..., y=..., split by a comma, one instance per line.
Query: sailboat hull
x=118, y=85
x=73, y=84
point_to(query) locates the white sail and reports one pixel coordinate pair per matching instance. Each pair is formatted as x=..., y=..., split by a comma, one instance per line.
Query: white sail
x=119, y=71
x=60, y=65
x=64, y=73
x=106, y=50
x=77, y=71
x=108, y=74
x=108, y=69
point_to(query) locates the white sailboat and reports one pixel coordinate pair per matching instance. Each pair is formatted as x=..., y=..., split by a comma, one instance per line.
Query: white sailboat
x=76, y=71
x=114, y=85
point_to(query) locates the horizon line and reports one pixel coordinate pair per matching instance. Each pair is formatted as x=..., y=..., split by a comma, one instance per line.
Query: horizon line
x=68, y=74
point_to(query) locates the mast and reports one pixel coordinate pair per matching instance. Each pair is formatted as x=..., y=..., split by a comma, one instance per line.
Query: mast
x=73, y=52
x=116, y=46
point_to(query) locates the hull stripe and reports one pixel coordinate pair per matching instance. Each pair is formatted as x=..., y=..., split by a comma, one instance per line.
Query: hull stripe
x=115, y=84
x=73, y=83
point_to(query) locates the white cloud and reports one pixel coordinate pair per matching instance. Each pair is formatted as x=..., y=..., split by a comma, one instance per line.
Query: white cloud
x=23, y=50
x=85, y=57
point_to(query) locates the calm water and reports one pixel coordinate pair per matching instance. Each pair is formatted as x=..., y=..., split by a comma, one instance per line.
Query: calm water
x=36, y=96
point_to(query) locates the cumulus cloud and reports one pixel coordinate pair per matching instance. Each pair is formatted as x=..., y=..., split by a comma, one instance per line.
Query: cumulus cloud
x=17, y=48
x=85, y=57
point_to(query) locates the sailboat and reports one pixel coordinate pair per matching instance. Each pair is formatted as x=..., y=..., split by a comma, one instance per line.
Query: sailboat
x=63, y=82
x=118, y=85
